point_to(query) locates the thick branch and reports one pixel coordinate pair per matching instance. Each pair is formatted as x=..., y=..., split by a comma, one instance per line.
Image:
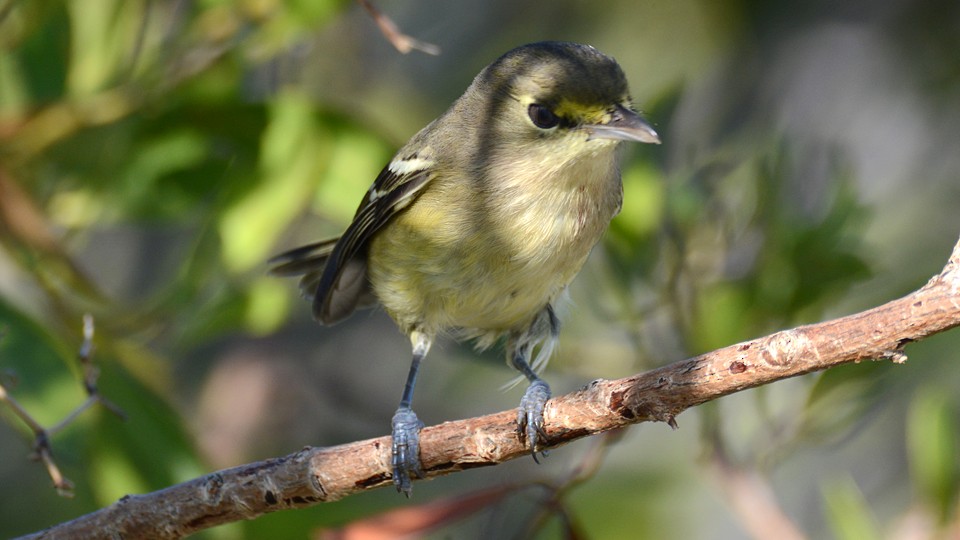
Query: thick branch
x=315, y=475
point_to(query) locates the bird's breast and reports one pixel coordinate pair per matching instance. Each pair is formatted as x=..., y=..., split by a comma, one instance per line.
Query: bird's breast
x=493, y=267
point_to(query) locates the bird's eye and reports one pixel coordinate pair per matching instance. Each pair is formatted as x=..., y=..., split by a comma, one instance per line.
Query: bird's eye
x=542, y=117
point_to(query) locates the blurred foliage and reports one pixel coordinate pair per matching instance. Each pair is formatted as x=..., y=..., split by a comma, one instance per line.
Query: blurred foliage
x=933, y=442
x=154, y=153
x=847, y=511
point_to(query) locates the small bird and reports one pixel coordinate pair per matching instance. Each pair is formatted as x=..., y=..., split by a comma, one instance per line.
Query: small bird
x=482, y=220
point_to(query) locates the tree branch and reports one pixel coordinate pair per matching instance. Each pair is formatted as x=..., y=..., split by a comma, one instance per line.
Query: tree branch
x=400, y=41
x=42, y=447
x=315, y=475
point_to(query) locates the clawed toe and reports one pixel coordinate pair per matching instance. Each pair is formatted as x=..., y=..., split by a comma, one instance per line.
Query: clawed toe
x=406, y=449
x=530, y=416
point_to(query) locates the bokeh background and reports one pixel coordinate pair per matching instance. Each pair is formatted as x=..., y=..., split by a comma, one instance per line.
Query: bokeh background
x=153, y=154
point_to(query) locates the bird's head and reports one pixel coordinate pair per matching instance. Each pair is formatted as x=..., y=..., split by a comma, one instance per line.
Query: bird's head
x=565, y=96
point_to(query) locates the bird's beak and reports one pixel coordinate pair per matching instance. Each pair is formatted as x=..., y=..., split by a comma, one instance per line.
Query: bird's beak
x=625, y=125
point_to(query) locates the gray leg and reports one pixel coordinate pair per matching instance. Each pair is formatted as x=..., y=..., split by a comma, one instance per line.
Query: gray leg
x=544, y=330
x=406, y=425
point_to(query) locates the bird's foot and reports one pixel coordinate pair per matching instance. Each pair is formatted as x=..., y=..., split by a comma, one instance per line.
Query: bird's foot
x=530, y=416
x=406, y=449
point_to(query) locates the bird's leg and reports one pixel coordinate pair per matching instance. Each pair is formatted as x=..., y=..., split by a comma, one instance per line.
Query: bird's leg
x=544, y=329
x=406, y=425
x=530, y=413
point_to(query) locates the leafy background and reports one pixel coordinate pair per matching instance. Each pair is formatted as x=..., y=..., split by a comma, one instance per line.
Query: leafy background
x=153, y=154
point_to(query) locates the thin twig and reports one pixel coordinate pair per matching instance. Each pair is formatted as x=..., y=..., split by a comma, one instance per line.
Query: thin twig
x=18, y=410
x=91, y=373
x=400, y=41
x=44, y=453
x=42, y=449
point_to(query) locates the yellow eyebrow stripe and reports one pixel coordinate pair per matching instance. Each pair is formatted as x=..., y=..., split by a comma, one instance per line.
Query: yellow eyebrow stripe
x=581, y=113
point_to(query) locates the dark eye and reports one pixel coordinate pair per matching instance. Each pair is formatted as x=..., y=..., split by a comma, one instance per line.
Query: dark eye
x=542, y=117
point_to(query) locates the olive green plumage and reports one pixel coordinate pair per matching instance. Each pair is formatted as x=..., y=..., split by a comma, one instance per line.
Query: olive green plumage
x=481, y=221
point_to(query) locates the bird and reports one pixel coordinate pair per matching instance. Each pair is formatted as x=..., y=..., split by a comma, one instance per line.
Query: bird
x=478, y=224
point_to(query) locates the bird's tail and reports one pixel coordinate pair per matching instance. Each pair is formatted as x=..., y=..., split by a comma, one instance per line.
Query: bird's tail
x=307, y=261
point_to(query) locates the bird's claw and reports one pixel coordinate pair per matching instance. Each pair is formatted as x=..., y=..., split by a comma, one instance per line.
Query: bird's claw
x=530, y=416
x=406, y=449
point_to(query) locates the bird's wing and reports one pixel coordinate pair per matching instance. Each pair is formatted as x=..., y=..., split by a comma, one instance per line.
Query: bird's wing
x=343, y=282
